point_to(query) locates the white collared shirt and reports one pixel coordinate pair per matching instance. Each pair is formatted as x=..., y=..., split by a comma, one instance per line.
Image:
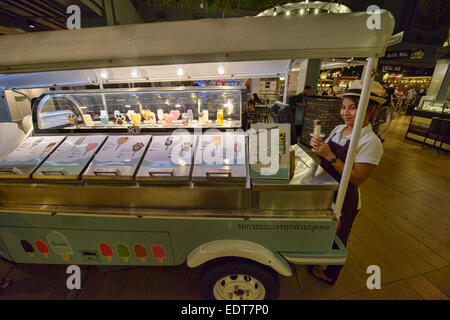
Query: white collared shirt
x=369, y=150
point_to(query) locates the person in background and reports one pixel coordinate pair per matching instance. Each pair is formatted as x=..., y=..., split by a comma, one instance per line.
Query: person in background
x=411, y=94
x=257, y=99
x=251, y=113
x=331, y=92
x=333, y=154
x=299, y=102
x=390, y=97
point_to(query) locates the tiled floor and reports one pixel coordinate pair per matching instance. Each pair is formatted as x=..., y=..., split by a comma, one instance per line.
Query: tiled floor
x=403, y=227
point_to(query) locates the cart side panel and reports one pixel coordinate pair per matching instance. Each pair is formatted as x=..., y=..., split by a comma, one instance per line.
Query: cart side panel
x=178, y=235
x=59, y=246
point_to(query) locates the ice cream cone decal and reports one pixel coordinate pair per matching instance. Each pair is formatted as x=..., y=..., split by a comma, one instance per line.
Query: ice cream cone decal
x=89, y=147
x=106, y=251
x=60, y=245
x=123, y=251
x=141, y=252
x=27, y=247
x=121, y=141
x=42, y=247
x=158, y=252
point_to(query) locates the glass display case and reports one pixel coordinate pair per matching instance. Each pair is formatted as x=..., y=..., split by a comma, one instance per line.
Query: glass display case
x=435, y=106
x=422, y=117
x=150, y=109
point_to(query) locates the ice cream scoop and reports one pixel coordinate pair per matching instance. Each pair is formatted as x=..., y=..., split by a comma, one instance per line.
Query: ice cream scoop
x=42, y=247
x=141, y=252
x=123, y=251
x=27, y=247
x=106, y=251
x=158, y=252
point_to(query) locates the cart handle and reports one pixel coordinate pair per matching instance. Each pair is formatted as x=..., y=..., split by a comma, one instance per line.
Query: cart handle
x=161, y=173
x=212, y=174
x=107, y=173
x=13, y=170
x=55, y=172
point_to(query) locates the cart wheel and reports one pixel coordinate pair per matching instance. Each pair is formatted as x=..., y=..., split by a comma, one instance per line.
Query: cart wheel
x=238, y=279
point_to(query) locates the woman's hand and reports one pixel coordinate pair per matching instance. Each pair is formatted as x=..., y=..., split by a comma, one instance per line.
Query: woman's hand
x=314, y=142
x=322, y=149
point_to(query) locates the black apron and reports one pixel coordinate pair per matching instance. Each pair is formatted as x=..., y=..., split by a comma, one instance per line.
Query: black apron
x=350, y=205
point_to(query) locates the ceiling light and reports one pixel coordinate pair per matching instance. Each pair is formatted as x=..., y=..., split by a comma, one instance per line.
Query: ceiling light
x=104, y=75
x=221, y=70
x=134, y=73
x=180, y=72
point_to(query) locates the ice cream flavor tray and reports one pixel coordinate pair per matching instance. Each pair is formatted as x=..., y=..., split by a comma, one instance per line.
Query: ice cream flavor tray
x=168, y=159
x=118, y=158
x=69, y=160
x=21, y=163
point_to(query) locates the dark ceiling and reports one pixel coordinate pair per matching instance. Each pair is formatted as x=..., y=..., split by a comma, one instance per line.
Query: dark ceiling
x=20, y=16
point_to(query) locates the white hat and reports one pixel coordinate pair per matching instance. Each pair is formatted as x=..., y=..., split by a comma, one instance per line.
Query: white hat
x=376, y=91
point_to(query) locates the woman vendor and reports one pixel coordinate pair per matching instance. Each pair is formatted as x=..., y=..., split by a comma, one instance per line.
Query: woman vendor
x=333, y=152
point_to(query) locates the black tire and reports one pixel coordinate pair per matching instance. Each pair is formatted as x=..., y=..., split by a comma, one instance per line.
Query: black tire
x=217, y=269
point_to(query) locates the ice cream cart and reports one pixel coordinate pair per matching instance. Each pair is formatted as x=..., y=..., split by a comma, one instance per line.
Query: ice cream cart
x=124, y=177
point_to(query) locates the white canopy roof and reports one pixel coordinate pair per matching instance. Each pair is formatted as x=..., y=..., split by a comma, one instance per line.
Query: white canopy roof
x=195, y=71
x=197, y=41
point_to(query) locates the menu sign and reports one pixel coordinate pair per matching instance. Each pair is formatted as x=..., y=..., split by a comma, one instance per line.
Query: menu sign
x=70, y=158
x=32, y=150
x=122, y=150
x=170, y=150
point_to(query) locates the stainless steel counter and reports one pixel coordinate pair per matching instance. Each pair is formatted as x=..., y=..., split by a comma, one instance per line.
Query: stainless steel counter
x=310, y=190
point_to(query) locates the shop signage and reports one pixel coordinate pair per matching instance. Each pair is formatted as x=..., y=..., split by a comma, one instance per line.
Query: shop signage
x=405, y=54
x=396, y=38
x=391, y=68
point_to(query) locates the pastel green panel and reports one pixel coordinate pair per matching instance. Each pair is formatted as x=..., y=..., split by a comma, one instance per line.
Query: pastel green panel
x=59, y=246
x=3, y=250
x=186, y=234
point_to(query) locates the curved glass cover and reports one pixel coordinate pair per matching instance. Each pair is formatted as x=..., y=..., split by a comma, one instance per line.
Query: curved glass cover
x=153, y=108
